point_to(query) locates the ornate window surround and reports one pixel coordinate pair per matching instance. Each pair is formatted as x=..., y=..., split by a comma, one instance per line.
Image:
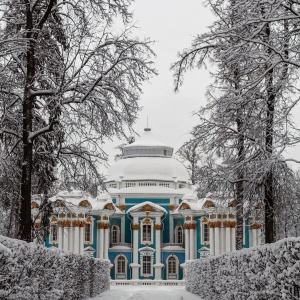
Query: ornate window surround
x=175, y=276
x=120, y=275
x=89, y=221
x=146, y=222
x=51, y=240
x=117, y=228
x=147, y=252
x=176, y=234
x=204, y=223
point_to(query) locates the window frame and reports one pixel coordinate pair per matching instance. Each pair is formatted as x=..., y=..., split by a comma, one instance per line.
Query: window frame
x=120, y=275
x=149, y=264
x=204, y=224
x=115, y=228
x=51, y=240
x=91, y=239
x=148, y=225
x=175, y=260
x=176, y=234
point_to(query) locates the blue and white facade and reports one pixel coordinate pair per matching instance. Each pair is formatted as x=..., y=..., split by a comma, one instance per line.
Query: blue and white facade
x=150, y=221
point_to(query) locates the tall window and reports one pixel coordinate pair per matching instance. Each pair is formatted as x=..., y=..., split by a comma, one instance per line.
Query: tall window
x=115, y=234
x=205, y=232
x=146, y=265
x=179, y=235
x=172, y=268
x=147, y=232
x=88, y=232
x=121, y=265
x=53, y=233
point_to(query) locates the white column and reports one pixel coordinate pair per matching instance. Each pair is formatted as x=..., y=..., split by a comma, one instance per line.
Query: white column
x=76, y=239
x=101, y=241
x=187, y=243
x=228, y=239
x=217, y=241
x=253, y=237
x=98, y=240
x=135, y=267
x=171, y=226
x=158, y=266
x=71, y=239
x=223, y=239
x=259, y=236
x=106, y=242
x=60, y=237
x=66, y=239
x=123, y=229
x=232, y=231
x=212, y=241
x=192, y=242
x=81, y=239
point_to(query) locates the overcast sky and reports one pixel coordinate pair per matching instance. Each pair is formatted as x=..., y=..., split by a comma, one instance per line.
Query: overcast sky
x=172, y=24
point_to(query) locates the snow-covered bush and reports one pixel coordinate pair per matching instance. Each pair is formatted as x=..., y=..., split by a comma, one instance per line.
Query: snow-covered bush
x=270, y=272
x=33, y=272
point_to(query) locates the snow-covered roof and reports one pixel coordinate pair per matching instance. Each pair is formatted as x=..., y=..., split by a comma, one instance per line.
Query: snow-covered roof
x=147, y=139
x=140, y=205
x=148, y=168
x=173, y=248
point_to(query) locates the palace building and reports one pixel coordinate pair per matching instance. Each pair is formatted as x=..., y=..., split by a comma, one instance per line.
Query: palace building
x=150, y=220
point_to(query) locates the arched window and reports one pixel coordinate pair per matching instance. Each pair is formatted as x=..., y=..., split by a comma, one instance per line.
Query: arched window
x=120, y=267
x=115, y=234
x=172, y=267
x=87, y=232
x=205, y=231
x=178, y=234
x=53, y=233
x=147, y=231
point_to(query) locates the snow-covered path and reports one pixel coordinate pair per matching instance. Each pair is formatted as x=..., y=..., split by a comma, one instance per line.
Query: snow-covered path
x=146, y=293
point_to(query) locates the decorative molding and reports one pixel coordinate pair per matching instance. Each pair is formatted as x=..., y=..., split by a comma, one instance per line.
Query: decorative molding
x=106, y=225
x=53, y=219
x=255, y=226
x=214, y=224
x=58, y=203
x=81, y=215
x=147, y=221
x=224, y=216
x=89, y=219
x=64, y=223
x=233, y=203
x=122, y=207
x=116, y=223
x=231, y=216
x=190, y=226
x=100, y=225
x=194, y=218
x=178, y=223
x=208, y=204
x=230, y=224
x=171, y=207
x=34, y=204
x=204, y=220
x=135, y=226
x=105, y=218
x=109, y=206
x=213, y=216
x=62, y=215
x=188, y=218
x=185, y=206
x=158, y=226
x=85, y=203
x=78, y=223
x=147, y=207
x=37, y=225
x=219, y=216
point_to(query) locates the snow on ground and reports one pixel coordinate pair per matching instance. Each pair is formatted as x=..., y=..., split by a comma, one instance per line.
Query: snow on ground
x=152, y=292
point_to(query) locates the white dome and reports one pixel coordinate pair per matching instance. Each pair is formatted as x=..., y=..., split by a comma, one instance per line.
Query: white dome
x=148, y=168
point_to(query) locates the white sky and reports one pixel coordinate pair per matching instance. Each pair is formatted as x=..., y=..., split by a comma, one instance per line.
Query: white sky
x=172, y=24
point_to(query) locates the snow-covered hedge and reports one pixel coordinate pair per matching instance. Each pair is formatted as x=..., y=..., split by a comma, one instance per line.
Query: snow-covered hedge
x=270, y=271
x=35, y=272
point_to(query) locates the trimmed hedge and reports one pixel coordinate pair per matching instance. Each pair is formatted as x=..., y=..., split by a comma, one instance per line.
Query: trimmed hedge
x=33, y=272
x=271, y=271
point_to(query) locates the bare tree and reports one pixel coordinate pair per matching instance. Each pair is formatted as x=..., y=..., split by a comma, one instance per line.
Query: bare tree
x=70, y=80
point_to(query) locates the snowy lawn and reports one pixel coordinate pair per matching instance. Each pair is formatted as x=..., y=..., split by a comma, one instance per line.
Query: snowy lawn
x=130, y=292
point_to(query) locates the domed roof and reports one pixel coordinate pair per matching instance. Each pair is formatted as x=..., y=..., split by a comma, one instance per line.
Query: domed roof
x=147, y=145
x=148, y=168
x=147, y=159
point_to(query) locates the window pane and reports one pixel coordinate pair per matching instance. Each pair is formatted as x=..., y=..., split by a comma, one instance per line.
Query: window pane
x=121, y=265
x=87, y=233
x=146, y=232
x=146, y=265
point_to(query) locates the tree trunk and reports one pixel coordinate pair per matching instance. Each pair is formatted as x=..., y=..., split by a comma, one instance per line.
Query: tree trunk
x=269, y=191
x=28, y=104
x=240, y=186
